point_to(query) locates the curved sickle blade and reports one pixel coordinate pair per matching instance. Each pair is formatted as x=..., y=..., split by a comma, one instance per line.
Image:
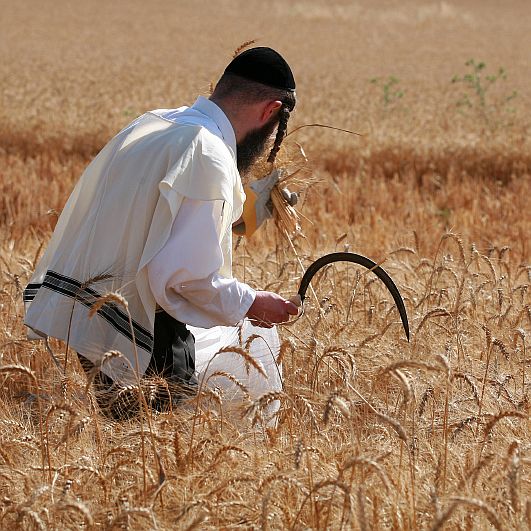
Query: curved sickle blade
x=366, y=262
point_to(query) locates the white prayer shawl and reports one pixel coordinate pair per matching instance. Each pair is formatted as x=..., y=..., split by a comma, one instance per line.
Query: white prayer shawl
x=117, y=218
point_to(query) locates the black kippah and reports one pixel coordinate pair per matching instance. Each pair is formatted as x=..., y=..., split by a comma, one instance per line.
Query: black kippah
x=265, y=66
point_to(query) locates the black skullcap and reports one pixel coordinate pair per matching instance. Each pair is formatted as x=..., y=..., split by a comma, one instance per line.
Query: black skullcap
x=265, y=66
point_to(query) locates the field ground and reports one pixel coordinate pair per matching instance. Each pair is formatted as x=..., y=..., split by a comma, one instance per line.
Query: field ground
x=373, y=432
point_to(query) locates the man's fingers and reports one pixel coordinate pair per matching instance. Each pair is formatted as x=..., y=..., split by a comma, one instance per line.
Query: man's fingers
x=291, y=197
x=292, y=308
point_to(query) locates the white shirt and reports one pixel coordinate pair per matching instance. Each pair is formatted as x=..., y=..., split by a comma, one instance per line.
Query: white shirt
x=184, y=276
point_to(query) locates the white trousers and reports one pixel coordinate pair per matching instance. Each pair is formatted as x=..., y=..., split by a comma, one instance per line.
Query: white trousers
x=210, y=362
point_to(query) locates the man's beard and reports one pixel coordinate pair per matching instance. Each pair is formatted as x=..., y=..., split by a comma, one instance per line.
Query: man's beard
x=253, y=146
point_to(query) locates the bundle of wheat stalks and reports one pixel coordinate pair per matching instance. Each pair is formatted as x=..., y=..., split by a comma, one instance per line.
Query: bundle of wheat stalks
x=295, y=176
x=285, y=216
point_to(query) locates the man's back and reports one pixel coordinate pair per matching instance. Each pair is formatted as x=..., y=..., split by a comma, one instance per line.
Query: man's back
x=118, y=217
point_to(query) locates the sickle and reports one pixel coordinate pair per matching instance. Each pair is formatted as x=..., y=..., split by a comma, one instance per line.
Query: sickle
x=361, y=260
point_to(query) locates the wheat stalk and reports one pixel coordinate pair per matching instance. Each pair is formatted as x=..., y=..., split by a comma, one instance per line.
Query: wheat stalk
x=286, y=217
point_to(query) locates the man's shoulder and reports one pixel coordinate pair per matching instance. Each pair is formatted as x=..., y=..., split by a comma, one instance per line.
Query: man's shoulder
x=202, y=126
x=179, y=138
x=212, y=146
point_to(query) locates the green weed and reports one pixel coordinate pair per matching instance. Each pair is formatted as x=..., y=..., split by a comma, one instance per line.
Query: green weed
x=478, y=85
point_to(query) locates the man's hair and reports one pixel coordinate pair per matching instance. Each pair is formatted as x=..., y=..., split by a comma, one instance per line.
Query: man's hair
x=244, y=91
x=241, y=90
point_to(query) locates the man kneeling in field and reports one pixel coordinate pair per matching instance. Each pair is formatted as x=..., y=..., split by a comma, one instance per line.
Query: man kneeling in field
x=149, y=222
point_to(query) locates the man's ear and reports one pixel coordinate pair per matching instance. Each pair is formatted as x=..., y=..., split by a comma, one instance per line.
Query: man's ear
x=270, y=108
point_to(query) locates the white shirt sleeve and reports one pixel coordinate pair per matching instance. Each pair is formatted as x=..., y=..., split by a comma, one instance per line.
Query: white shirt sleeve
x=184, y=278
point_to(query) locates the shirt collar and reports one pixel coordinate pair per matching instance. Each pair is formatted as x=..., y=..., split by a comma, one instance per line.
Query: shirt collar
x=212, y=111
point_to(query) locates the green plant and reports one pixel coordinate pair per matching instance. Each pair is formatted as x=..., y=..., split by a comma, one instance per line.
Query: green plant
x=390, y=92
x=478, y=83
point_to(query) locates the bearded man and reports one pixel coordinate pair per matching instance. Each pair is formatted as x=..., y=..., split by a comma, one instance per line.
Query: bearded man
x=151, y=220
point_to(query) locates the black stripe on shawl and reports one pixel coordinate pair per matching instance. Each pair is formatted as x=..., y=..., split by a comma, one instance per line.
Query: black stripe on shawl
x=110, y=311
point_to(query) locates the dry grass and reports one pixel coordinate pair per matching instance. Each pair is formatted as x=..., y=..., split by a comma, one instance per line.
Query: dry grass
x=373, y=432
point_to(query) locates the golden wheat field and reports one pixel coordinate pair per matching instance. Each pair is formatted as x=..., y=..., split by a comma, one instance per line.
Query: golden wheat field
x=373, y=432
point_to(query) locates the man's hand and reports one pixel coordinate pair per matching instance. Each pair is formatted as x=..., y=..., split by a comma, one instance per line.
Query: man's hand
x=269, y=308
x=258, y=206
